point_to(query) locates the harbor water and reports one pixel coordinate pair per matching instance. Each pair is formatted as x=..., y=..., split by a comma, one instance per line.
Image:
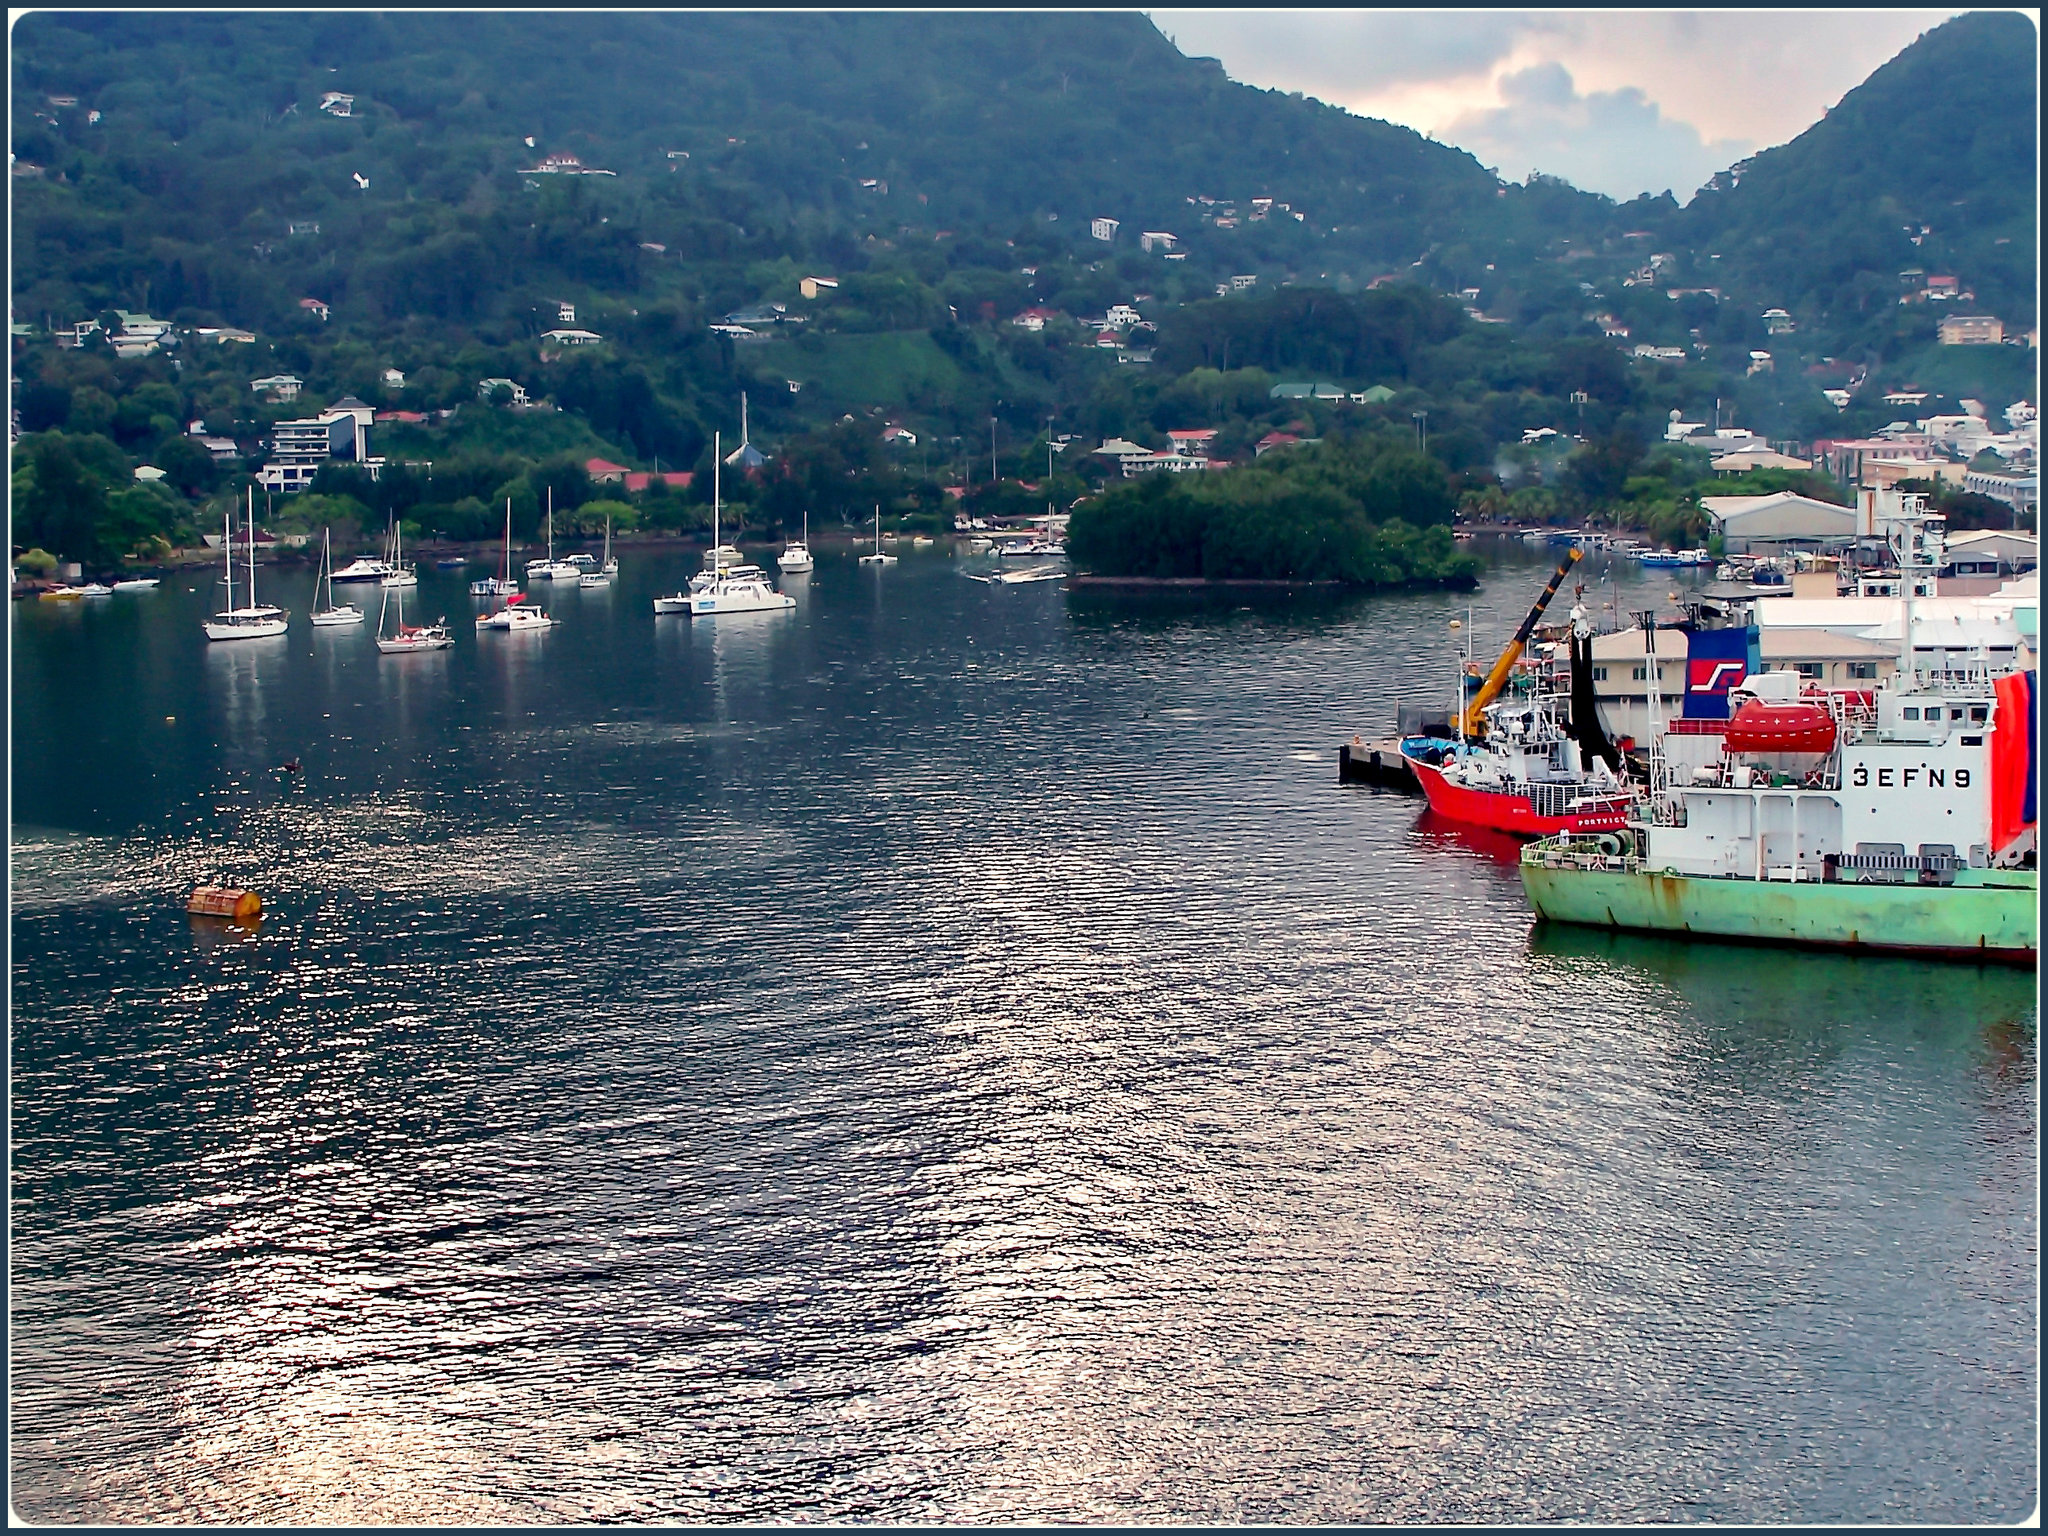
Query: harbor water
x=948, y=1053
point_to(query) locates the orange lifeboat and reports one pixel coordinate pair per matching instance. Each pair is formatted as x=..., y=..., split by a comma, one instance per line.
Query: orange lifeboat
x=1763, y=726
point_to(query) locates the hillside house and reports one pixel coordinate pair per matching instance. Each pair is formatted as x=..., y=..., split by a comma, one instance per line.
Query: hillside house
x=1971, y=331
x=1193, y=442
x=1035, y=318
x=392, y=378
x=340, y=433
x=570, y=337
x=1326, y=392
x=338, y=103
x=898, y=437
x=1379, y=394
x=223, y=334
x=281, y=387
x=1157, y=240
x=562, y=163
x=811, y=287
x=1108, y=340
x=314, y=307
x=565, y=313
x=1273, y=440
x=1244, y=280
x=485, y=388
x=605, y=472
x=1103, y=229
x=1121, y=317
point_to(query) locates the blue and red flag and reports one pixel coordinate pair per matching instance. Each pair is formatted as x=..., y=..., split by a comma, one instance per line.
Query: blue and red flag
x=1715, y=661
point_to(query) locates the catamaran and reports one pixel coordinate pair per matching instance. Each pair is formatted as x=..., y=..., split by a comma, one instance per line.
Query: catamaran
x=501, y=585
x=602, y=576
x=878, y=558
x=252, y=621
x=329, y=613
x=551, y=569
x=402, y=575
x=736, y=588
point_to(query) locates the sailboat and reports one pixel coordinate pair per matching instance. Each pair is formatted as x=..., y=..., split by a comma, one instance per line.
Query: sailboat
x=501, y=585
x=727, y=584
x=253, y=621
x=551, y=569
x=407, y=638
x=330, y=613
x=602, y=576
x=402, y=575
x=796, y=556
x=878, y=558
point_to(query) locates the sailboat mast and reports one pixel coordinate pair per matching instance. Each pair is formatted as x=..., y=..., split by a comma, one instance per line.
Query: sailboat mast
x=551, y=525
x=227, y=544
x=252, y=546
x=716, y=445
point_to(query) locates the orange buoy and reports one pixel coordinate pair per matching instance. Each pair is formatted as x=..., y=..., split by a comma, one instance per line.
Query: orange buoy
x=224, y=901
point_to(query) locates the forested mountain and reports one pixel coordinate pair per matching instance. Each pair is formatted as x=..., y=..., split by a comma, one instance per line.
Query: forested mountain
x=1930, y=166
x=947, y=172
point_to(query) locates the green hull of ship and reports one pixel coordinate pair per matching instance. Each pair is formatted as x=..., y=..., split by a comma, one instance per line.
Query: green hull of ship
x=1987, y=915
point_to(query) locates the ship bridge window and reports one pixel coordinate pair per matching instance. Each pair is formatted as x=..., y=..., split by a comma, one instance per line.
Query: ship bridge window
x=1979, y=713
x=1955, y=714
x=1911, y=712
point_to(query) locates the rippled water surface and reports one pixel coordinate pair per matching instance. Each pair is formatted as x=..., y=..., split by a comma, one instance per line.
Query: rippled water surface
x=948, y=1053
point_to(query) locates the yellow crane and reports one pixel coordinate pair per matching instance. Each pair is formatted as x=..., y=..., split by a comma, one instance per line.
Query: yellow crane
x=1473, y=721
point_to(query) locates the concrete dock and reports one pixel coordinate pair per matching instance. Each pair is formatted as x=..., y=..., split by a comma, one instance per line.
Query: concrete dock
x=1378, y=763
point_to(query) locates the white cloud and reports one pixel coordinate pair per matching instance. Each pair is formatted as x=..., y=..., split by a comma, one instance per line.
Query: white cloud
x=1640, y=83
x=1616, y=142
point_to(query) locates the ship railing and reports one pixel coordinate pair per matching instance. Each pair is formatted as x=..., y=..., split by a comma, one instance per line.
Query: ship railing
x=1611, y=852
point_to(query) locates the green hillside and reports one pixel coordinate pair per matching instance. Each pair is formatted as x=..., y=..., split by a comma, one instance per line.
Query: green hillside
x=944, y=171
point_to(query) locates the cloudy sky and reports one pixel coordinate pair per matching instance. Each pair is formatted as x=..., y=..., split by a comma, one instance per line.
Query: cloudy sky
x=1618, y=102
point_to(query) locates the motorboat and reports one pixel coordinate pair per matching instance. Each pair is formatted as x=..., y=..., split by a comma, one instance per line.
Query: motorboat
x=796, y=555
x=61, y=594
x=878, y=558
x=329, y=614
x=549, y=568
x=253, y=620
x=450, y=563
x=364, y=569
x=1041, y=548
x=138, y=584
x=95, y=589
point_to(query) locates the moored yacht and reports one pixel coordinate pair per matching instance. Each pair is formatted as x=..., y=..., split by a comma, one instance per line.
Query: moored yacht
x=253, y=620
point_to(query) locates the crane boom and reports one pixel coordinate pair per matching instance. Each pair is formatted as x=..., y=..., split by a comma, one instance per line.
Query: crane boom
x=1473, y=721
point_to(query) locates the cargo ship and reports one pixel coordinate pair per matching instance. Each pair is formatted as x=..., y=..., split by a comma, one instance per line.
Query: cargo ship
x=1902, y=821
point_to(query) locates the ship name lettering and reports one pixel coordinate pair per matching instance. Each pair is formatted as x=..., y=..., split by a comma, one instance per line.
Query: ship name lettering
x=1962, y=778
x=1906, y=777
x=1862, y=777
x=1936, y=777
x=1884, y=778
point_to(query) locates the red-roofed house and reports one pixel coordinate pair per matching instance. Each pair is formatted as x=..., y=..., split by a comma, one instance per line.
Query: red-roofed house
x=1195, y=443
x=1035, y=318
x=400, y=416
x=604, y=470
x=1274, y=440
x=640, y=479
x=314, y=307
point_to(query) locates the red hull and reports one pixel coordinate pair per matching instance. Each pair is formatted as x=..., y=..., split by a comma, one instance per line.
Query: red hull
x=1512, y=813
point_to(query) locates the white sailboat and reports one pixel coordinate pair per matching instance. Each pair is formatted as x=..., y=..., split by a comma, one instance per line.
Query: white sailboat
x=407, y=638
x=501, y=585
x=402, y=575
x=796, y=555
x=551, y=569
x=252, y=621
x=329, y=613
x=733, y=587
x=878, y=558
x=602, y=576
